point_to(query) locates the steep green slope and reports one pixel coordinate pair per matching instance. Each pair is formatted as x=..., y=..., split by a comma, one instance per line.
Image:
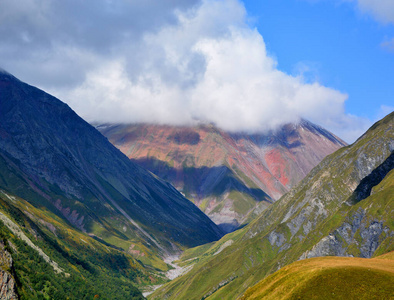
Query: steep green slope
x=55, y=160
x=328, y=278
x=319, y=217
x=51, y=260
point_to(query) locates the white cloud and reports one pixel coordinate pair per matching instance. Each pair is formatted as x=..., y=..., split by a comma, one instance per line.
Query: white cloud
x=381, y=10
x=209, y=67
x=388, y=45
x=201, y=61
x=384, y=111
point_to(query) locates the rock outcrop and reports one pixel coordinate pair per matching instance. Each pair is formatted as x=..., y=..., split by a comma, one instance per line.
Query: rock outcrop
x=7, y=282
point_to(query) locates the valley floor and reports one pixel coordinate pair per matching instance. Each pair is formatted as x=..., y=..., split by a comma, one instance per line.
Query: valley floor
x=171, y=274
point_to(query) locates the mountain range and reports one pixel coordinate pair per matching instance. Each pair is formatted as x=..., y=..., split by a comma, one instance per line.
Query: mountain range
x=57, y=162
x=47, y=151
x=343, y=207
x=80, y=220
x=232, y=177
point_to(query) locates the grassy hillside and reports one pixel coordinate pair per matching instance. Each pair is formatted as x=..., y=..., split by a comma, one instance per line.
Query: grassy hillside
x=329, y=278
x=110, y=228
x=52, y=260
x=52, y=158
x=317, y=218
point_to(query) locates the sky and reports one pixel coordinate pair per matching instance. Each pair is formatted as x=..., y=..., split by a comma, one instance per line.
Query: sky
x=242, y=65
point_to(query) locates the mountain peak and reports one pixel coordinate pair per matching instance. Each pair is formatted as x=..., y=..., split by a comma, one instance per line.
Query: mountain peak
x=74, y=171
x=231, y=176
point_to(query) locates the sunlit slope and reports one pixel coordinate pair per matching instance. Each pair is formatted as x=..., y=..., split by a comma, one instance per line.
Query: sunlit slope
x=344, y=207
x=52, y=260
x=328, y=278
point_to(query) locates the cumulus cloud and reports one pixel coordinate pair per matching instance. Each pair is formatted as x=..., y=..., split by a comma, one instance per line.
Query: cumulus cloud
x=198, y=61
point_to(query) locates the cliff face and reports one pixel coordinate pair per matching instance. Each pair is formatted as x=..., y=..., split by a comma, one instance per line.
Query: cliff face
x=54, y=159
x=7, y=286
x=7, y=282
x=359, y=230
x=232, y=177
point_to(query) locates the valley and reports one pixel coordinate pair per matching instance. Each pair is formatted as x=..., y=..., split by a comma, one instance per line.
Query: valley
x=196, y=150
x=319, y=217
x=77, y=212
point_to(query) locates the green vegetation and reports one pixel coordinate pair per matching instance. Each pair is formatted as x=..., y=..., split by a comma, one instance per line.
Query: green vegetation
x=89, y=267
x=243, y=203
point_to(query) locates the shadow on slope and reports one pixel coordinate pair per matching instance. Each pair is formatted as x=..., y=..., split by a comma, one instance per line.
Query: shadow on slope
x=203, y=181
x=364, y=189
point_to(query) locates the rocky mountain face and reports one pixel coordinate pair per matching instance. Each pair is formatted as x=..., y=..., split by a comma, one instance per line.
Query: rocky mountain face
x=58, y=162
x=232, y=177
x=7, y=282
x=343, y=207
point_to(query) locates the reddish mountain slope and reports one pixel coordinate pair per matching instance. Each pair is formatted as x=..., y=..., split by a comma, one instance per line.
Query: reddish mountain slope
x=231, y=177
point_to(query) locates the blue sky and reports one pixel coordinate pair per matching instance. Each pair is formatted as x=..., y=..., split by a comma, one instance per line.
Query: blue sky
x=341, y=46
x=243, y=65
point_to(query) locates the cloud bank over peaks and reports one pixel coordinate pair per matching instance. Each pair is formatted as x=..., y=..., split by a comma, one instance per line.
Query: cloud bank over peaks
x=209, y=67
x=199, y=61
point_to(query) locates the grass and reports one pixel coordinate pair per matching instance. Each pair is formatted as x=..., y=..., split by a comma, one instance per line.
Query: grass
x=89, y=260
x=329, y=278
x=243, y=203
